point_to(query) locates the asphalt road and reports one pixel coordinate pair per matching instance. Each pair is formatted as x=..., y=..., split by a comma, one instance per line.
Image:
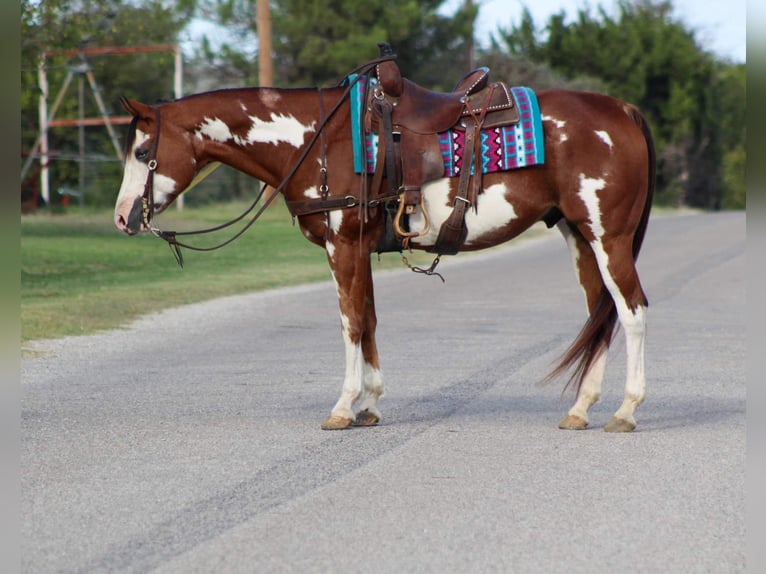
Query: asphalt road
x=190, y=442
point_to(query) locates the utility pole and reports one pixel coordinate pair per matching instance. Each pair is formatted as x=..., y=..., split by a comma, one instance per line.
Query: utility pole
x=265, y=62
x=469, y=52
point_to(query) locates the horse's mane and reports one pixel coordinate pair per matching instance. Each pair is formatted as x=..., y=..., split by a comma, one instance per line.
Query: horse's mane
x=131, y=135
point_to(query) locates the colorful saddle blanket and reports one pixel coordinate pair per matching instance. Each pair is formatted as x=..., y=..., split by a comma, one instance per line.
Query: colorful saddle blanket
x=502, y=148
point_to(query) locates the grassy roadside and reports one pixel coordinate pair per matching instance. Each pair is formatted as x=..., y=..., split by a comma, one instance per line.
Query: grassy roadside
x=79, y=275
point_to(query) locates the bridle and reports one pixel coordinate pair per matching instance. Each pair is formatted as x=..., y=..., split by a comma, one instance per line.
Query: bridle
x=171, y=237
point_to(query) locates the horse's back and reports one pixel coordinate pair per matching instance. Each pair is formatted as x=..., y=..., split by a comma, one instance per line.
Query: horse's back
x=572, y=115
x=594, y=134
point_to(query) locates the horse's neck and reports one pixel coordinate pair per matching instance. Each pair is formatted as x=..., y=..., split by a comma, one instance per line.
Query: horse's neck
x=258, y=131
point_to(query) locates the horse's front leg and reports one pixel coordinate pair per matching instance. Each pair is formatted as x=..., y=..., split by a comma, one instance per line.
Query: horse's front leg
x=368, y=414
x=352, y=272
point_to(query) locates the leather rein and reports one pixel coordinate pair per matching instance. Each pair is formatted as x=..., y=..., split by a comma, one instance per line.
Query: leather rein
x=307, y=207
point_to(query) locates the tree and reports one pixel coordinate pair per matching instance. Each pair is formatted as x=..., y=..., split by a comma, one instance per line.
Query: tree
x=316, y=42
x=644, y=56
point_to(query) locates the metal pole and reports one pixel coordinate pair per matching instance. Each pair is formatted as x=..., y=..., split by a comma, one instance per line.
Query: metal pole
x=81, y=134
x=43, y=114
x=102, y=108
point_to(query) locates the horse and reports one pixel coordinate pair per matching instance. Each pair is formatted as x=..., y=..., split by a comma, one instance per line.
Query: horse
x=595, y=185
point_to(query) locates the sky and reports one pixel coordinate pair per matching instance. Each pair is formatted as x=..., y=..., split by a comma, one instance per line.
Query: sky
x=718, y=26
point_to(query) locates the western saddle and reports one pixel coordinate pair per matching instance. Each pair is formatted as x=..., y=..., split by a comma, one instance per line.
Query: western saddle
x=408, y=119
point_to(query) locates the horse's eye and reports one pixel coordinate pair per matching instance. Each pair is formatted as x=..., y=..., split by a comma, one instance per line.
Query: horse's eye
x=142, y=154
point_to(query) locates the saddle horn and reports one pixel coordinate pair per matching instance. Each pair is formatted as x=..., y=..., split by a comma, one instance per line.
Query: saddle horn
x=389, y=76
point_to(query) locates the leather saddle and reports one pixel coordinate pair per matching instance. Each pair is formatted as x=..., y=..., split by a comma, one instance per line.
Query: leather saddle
x=423, y=111
x=408, y=119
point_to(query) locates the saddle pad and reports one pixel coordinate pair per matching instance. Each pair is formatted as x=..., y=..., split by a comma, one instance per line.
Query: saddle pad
x=502, y=148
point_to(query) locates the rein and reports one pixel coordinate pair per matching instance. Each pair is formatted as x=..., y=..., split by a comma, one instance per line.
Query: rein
x=348, y=201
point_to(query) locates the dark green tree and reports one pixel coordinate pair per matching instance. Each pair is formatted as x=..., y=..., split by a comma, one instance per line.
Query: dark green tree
x=645, y=56
x=316, y=42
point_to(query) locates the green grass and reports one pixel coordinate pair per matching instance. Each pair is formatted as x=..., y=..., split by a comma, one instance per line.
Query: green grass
x=80, y=275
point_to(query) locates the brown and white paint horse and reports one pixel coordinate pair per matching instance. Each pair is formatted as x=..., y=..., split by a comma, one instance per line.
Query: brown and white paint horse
x=598, y=175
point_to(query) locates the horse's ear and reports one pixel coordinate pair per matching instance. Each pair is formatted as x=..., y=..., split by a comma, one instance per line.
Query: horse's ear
x=134, y=108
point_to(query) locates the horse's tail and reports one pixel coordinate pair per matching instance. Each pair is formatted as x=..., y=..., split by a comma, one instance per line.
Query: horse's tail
x=641, y=122
x=599, y=329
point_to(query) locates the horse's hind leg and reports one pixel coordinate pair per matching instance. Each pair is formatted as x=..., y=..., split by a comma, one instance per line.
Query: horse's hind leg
x=588, y=275
x=617, y=265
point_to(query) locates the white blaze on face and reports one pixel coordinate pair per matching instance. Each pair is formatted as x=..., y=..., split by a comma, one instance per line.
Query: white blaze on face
x=278, y=128
x=133, y=176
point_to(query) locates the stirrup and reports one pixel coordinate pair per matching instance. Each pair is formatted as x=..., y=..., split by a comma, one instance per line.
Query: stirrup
x=407, y=235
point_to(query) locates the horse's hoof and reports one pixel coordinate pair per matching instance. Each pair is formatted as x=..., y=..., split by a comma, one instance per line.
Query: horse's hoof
x=573, y=422
x=336, y=422
x=366, y=418
x=619, y=425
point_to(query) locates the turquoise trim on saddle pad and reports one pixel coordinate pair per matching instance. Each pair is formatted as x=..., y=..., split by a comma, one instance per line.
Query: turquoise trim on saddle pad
x=358, y=91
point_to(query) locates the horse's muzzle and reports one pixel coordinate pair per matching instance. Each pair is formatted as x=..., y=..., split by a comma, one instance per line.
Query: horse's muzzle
x=134, y=224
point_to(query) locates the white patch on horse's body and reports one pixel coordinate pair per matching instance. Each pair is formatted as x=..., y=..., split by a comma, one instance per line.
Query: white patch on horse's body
x=279, y=128
x=493, y=212
x=330, y=248
x=588, y=193
x=269, y=97
x=559, y=124
x=605, y=137
x=436, y=195
x=312, y=192
x=164, y=187
x=216, y=130
x=336, y=220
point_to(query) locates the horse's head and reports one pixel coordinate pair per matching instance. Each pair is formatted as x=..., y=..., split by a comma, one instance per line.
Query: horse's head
x=159, y=164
